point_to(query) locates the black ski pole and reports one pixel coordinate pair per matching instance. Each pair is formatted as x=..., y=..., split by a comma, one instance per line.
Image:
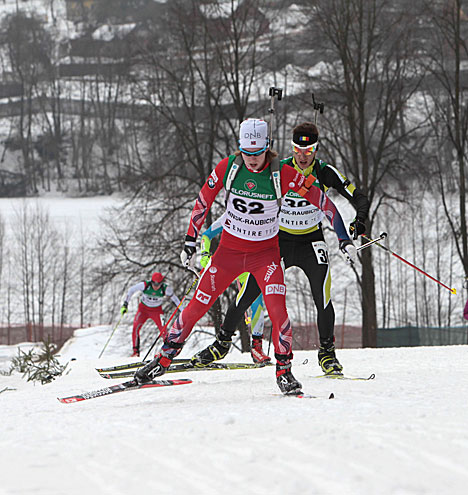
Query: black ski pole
x=274, y=93
x=269, y=341
x=318, y=107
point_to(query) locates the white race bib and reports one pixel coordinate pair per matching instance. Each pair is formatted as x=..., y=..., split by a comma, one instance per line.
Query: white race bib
x=297, y=214
x=251, y=218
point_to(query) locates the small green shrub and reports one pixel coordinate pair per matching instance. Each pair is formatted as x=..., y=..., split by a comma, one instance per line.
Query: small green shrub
x=40, y=366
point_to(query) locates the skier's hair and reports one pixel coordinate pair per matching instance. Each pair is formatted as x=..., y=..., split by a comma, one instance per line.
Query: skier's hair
x=306, y=128
x=270, y=154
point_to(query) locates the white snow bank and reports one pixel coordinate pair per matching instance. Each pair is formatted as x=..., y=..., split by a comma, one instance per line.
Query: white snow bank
x=230, y=432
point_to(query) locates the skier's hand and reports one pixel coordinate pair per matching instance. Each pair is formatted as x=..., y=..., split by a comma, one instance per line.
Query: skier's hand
x=188, y=251
x=349, y=251
x=124, y=308
x=357, y=228
x=205, y=258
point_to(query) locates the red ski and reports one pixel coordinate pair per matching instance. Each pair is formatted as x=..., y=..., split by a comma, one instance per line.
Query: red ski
x=121, y=387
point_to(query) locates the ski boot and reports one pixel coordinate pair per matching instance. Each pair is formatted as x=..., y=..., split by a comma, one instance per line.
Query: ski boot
x=285, y=379
x=158, y=366
x=256, y=350
x=215, y=351
x=327, y=359
x=136, y=352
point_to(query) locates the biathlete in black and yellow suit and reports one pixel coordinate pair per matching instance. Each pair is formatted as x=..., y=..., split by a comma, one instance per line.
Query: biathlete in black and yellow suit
x=302, y=243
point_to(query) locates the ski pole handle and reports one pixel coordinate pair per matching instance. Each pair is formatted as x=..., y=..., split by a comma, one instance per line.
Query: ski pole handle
x=274, y=93
x=364, y=246
x=318, y=107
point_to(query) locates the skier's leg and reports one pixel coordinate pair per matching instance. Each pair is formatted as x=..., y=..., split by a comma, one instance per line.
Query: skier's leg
x=258, y=316
x=155, y=315
x=138, y=322
x=270, y=277
x=258, y=320
x=220, y=347
x=315, y=264
x=246, y=296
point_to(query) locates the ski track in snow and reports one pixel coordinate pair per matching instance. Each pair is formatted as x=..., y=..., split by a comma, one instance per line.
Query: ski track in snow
x=227, y=432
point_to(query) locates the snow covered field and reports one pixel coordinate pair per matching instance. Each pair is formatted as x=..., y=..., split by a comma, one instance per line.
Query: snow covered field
x=229, y=432
x=80, y=217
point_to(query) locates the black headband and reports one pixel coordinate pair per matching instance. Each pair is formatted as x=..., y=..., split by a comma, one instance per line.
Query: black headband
x=304, y=138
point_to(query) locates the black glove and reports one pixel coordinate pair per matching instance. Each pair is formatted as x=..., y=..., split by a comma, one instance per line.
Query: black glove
x=357, y=228
x=188, y=251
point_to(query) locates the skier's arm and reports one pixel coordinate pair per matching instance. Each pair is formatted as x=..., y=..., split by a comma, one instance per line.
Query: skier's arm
x=215, y=228
x=170, y=293
x=206, y=197
x=332, y=177
x=297, y=182
x=135, y=288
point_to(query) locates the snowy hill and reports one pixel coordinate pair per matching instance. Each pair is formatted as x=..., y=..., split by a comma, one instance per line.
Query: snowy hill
x=229, y=432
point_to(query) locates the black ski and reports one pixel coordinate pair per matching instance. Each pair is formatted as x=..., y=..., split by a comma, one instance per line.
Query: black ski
x=121, y=387
x=302, y=395
x=135, y=365
x=188, y=366
x=339, y=376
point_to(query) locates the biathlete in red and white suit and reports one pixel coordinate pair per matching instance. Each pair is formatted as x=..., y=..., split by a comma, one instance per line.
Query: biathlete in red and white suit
x=249, y=243
x=153, y=294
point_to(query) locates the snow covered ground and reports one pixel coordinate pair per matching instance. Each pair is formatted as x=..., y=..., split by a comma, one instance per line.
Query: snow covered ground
x=81, y=217
x=229, y=432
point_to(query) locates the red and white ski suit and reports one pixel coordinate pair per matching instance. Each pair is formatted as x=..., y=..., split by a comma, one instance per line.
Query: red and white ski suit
x=149, y=308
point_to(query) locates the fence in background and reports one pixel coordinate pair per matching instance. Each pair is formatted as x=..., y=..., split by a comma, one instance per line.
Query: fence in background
x=422, y=336
x=305, y=337
x=15, y=334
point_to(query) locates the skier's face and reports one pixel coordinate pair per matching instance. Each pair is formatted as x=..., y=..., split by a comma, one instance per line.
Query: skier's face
x=305, y=156
x=156, y=285
x=254, y=162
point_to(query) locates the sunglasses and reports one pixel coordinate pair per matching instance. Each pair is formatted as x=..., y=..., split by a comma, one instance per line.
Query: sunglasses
x=253, y=153
x=306, y=150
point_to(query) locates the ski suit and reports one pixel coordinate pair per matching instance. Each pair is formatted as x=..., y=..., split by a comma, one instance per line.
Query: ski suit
x=150, y=307
x=302, y=244
x=258, y=306
x=249, y=243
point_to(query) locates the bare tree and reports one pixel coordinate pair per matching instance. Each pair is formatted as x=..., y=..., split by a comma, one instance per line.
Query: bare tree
x=445, y=54
x=36, y=251
x=2, y=254
x=28, y=48
x=197, y=87
x=369, y=76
